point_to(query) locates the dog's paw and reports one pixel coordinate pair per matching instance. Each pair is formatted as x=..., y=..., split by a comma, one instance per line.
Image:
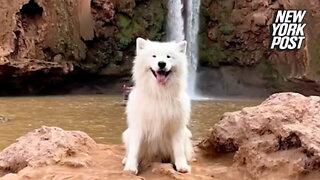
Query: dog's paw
x=183, y=168
x=124, y=160
x=131, y=168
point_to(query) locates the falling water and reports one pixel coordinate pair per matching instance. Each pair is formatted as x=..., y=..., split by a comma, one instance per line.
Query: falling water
x=192, y=28
x=176, y=32
x=175, y=25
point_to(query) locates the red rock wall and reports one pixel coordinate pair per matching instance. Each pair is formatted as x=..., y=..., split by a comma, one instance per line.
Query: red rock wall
x=237, y=33
x=57, y=35
x=43, y=35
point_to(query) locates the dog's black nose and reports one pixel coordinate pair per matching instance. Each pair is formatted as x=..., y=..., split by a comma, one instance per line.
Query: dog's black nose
x=162, y=64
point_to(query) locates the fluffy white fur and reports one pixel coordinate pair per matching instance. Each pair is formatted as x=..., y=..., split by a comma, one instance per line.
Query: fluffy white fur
x=158, y=114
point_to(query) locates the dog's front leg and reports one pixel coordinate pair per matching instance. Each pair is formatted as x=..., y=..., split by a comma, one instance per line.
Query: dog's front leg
x=180, y=159
x=134, y=140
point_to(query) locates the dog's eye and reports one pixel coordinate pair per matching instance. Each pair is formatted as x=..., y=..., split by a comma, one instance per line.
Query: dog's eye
x=168, y=56
x=154, y=56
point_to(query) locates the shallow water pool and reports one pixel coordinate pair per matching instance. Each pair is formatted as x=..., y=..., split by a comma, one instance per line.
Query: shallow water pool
x=101, y=116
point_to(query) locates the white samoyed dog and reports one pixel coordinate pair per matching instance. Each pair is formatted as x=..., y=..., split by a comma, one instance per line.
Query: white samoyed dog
x=158, y=109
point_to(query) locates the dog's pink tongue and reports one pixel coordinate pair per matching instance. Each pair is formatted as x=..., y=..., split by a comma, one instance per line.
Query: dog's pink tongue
x=161, y=79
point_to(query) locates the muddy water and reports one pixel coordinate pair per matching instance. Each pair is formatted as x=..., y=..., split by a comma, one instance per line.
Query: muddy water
x=101, y=116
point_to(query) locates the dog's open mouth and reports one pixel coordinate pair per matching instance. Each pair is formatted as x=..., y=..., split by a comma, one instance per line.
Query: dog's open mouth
x=161, y=75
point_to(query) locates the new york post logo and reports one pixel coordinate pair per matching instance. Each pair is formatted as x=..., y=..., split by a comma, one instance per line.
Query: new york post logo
x=287, y=30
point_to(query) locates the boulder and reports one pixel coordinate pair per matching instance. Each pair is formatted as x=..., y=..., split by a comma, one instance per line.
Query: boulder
x=48, y=146
x=280, y=136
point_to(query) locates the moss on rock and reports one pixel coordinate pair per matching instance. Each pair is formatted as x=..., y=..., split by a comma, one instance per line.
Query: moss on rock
x=142, y=19
x=226, y=29
x=125, y=34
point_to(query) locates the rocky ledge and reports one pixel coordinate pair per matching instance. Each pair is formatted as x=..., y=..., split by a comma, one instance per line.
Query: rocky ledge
x=53, y=153
x=276, y=138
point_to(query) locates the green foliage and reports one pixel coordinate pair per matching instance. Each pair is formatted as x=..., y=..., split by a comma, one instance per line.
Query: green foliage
x=101, y=56
x=114, y=66
x=211, y=56
x=125, y=35
x=226, y=29
x=146, y=22
x=159, y=16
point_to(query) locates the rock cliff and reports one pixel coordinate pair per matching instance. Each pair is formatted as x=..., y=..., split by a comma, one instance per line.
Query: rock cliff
x=97, y=37
x=59, y=36
x=237, y=33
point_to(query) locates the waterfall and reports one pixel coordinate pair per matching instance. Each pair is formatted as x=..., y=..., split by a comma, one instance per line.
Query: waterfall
x=192, y=28
x=175, y=32
x=175, y=22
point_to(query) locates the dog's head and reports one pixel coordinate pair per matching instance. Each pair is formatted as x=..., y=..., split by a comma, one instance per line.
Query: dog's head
x=160, y=63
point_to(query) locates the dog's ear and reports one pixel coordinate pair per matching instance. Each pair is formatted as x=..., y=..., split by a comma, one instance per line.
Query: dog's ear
x=182, y=46
x=140, y=43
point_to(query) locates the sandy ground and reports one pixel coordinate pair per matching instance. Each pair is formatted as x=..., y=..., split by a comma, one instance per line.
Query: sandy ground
x=105, y=163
